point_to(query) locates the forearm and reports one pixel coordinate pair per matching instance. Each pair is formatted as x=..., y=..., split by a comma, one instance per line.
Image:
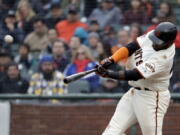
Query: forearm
x=125, y=52
x=127, y=75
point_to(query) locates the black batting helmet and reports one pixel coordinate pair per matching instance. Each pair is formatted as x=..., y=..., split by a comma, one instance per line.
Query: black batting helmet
x=164, y=35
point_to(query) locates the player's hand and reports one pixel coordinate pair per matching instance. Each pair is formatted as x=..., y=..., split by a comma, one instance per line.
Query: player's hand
x=106, y=62
x=101, y=71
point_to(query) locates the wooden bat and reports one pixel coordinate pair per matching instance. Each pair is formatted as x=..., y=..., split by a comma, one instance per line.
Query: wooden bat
x=77, y=76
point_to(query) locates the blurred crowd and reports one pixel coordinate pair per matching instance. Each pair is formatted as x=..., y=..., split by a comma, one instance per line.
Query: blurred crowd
x=42, y=41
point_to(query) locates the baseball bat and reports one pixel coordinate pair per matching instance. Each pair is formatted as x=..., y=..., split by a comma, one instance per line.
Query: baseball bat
x=77, y=76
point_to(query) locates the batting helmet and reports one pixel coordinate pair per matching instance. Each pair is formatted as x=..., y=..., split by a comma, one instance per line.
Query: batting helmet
x=163, y=35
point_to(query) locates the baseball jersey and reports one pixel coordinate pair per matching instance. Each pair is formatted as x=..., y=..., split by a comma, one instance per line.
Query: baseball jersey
x=154, y=66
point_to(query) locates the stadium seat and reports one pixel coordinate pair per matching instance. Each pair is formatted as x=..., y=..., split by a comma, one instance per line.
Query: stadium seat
x=79, y=86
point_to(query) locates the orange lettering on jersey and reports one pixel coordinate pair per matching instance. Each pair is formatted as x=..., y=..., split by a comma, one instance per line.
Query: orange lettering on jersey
x=138, y=57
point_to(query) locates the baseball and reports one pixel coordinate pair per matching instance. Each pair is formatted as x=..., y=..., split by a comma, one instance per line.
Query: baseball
x=8, y=39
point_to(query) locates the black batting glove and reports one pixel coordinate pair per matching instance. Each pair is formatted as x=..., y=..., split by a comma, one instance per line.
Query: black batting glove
x=107, y=73
x=101, y=71
x=105, y=63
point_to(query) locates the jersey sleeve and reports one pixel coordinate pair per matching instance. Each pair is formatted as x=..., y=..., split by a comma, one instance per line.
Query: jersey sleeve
x=153, y=67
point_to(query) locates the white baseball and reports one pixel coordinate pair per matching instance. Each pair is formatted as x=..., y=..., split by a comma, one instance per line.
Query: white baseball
x=8, y=39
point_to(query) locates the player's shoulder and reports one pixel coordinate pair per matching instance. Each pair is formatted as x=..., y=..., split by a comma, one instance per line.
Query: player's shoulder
x=143, y=36
x=168, y=53
x=165, y=56
x=144, y=39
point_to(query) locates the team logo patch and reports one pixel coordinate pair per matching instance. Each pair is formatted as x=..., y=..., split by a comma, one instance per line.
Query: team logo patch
x=150, y=67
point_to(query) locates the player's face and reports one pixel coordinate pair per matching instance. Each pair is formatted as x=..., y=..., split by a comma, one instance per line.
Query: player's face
x=160, y=47
x=156, y=47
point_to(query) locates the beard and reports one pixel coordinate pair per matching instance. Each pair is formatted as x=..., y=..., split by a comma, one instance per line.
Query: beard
x=48, y=75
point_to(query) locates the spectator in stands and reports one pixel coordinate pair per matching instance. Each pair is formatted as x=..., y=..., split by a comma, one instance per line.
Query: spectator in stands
x=155, y=21
x=166, y=13
x=52, y=37
x=123, y=39
x=177, y=44
x=94, y=27
x=48, y=81
x=107, y=14
x=135, y=14
x=95, y=46
x=66, y=3
x=178, y=2
x=59, y=55
x=9, y=27
x=83, y=61
x=107, y=45
x=67, y=27
x=42, y=7
x=148, y=8
x=73, y=45
x=89, y=5
x=38, y=39
x=9, y=4
x=82, y=34
x=135, y=31
x=110, y=86
x=54, y=16
x=176, y=87
x=110, y=34
x=26, y=62
x=12, y=82
x=123, y=4
x=5, y=6
x=24, y=15
x=5, y=59
x=175, y=81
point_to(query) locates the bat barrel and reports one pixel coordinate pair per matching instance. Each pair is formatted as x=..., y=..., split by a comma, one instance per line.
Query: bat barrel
x=77, y=76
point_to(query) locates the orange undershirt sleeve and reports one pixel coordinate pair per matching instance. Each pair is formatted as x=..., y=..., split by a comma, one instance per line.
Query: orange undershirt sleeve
x=120, y=54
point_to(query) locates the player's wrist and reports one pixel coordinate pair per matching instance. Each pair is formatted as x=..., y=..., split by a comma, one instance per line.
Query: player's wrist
x=113, y=75
x=107, y=62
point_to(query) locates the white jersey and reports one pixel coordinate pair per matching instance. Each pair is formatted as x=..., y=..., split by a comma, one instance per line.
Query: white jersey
x=154, y=66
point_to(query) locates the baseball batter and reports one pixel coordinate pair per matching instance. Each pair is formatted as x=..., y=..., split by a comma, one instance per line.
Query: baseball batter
x=148, y=70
